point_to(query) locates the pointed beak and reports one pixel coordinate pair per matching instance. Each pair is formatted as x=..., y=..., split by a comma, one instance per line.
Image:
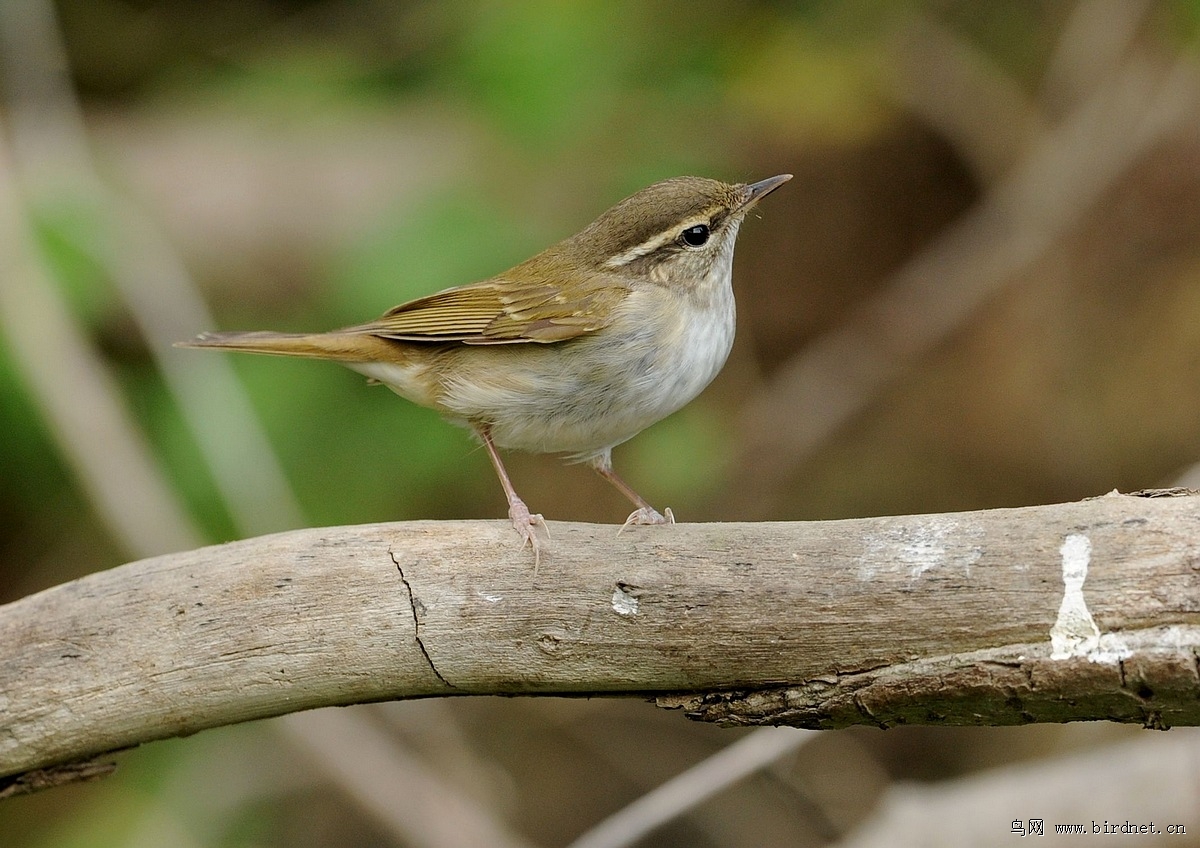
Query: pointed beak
x=757, y=191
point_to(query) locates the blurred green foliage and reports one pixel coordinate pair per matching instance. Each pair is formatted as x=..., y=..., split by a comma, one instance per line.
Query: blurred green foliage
x=609, y=96
x=567, y=107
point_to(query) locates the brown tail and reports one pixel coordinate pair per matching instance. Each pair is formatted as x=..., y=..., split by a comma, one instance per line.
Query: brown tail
x=342, y=347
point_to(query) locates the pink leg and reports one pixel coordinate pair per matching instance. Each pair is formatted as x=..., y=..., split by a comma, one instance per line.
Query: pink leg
x=644, y=514
x=523, y=521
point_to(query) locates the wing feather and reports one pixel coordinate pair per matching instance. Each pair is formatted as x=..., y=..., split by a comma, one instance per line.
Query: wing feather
x=503, y=311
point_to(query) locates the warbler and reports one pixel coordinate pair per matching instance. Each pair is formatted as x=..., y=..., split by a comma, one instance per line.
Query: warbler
x=573, y=351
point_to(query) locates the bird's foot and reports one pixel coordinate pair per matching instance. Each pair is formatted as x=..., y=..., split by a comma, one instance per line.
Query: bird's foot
x=524, y=523
x=648, y=515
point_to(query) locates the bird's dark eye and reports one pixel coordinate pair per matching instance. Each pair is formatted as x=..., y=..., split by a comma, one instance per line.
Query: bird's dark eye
x=696, y=236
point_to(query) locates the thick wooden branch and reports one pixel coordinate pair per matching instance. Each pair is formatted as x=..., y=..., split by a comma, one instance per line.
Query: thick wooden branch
x=1075, y=611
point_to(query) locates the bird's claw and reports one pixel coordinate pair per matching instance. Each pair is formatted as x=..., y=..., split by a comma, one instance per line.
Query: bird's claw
x=648, y=515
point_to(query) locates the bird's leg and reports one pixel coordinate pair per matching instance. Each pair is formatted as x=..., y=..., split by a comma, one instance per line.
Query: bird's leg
x=523, y=520
x=644, y=514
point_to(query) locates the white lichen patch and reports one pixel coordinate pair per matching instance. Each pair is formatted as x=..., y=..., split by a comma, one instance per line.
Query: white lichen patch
x=925, y=549
x=624, y=602
x=916, y=549
x=1075, y=633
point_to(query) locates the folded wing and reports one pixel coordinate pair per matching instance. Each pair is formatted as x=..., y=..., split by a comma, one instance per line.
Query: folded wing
x=501, y=311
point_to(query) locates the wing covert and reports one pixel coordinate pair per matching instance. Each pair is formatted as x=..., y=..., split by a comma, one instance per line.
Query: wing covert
x=500, y=311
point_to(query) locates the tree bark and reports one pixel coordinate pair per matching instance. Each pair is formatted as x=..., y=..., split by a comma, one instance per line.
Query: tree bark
x=1067, y=612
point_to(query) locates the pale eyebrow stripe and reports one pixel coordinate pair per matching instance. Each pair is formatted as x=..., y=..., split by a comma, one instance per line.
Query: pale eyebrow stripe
x=653, y=244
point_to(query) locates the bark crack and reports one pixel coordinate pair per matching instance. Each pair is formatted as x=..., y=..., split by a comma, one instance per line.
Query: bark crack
x=35, y=780
x=417, y=623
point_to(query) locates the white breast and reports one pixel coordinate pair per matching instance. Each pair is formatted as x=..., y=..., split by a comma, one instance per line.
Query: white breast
x=586, y=396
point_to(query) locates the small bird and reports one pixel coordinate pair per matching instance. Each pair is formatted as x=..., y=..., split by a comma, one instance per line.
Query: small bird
x=573, y=351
